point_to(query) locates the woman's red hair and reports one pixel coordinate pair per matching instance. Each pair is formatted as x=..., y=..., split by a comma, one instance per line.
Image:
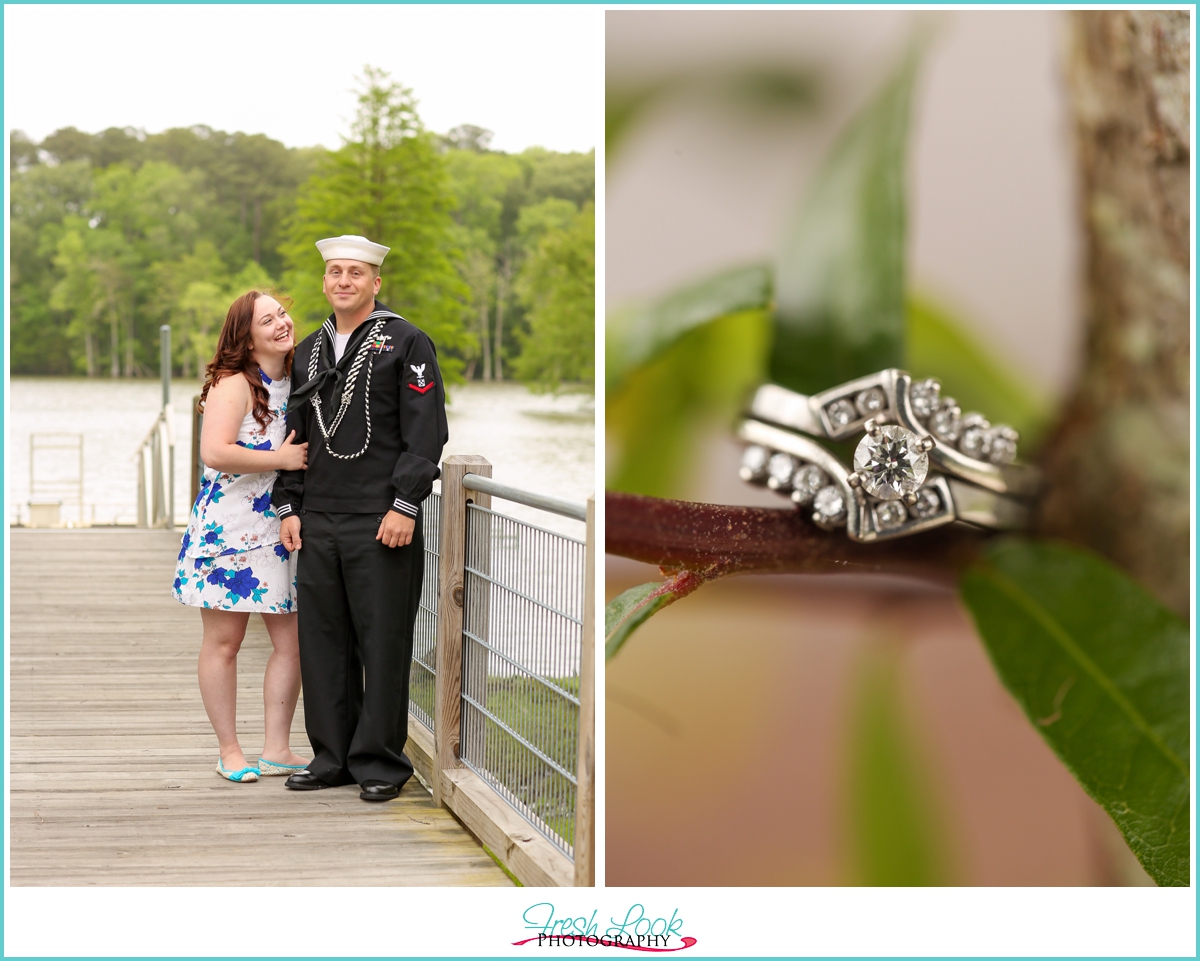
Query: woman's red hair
x=235, y=354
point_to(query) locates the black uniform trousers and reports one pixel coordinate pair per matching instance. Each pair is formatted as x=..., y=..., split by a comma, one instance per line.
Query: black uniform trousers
x=357, y=602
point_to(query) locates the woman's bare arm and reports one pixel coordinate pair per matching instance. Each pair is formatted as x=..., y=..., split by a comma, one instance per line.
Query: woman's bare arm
x=225, y=408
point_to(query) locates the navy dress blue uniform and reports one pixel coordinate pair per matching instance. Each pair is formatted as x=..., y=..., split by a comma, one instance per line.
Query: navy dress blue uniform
x=375, y=422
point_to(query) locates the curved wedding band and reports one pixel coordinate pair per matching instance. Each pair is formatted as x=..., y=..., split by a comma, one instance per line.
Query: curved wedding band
x=944, y=499
x=932, y=467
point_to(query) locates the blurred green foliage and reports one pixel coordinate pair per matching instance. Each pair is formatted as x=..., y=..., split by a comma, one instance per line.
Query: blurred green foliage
x=654, y=421
x=839, y=281
x=939, y=346
x=895, y=839
x=751, y=89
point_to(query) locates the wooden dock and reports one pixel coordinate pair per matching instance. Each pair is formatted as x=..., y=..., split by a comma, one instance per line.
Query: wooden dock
x=112, y=754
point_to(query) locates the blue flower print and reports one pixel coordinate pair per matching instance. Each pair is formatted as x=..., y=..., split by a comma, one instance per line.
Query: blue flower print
x=257, y=594
x=265, y=445
x=262, y=504
x=199, y=563
x=187, y=540
x=218, y=576
x=241, y=584
x=216, y=493
x=282, y=552
x=265, y=378
x=212, y=534
x=177, y=585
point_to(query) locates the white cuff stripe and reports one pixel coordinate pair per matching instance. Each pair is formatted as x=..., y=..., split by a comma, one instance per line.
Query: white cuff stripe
x=283, y=509
x=404, y=506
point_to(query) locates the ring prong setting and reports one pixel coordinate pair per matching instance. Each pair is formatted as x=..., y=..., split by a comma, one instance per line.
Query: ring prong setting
x=872, y=427
x=927, y=443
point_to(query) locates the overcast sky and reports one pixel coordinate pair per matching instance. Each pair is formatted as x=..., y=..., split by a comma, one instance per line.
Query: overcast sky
x=532, y=75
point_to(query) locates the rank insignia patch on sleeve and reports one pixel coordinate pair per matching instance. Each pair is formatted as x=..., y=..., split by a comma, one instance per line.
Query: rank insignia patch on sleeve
x=420, y=386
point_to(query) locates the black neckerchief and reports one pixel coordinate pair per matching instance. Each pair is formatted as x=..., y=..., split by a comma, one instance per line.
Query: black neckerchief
x=330, y=371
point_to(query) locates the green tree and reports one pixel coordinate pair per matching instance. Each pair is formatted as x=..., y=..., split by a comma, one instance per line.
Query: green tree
x=387, y=182
x=483, y=184
x=76, y=296
x=43, y=199
x=558, y=286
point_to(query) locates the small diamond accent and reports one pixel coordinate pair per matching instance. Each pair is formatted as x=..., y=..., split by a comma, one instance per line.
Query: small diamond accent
x=870, y=401
x=779, y=471
x=808, y=480
x=891, y=463
x=1003, y=445
x=924, y=397
x=841, y=413
x=754, y=462
x=890, y=514
x=928, y=504
x=975, y=438
x=829, y=505
x=947, y=421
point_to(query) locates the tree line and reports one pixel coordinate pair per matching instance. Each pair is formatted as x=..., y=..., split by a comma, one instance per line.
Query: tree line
x=115, y=233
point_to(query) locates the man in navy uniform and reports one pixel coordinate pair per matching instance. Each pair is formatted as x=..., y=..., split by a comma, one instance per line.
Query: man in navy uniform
x=368, y=397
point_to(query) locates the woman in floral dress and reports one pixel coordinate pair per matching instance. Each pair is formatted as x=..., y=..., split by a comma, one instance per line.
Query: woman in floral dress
x=231, y=563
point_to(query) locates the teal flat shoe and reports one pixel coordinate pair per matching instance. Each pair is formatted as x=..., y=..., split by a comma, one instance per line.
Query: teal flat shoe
x=272, y=768
x=245, y=774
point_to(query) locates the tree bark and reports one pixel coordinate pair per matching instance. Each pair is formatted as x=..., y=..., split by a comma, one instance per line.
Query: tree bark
x=484, y=339
x=115, y=365
x=257, y=228
x=502, y=278
x=1118, y=462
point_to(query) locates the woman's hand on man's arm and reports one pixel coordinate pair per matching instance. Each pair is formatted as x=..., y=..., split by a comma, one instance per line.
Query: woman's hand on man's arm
x=228, y=402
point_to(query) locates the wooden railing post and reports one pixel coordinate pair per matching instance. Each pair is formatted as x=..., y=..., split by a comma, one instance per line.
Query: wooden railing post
x=585, y=788
x=451, y=586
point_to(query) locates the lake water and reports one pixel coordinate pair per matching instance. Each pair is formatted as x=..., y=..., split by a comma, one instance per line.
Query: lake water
x=534, y=441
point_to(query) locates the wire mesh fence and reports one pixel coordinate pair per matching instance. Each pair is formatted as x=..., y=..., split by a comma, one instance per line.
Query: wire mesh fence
x=423, y=674
x=522, y=631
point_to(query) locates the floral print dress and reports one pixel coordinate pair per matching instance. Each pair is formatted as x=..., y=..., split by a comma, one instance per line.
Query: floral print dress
x=231, y=558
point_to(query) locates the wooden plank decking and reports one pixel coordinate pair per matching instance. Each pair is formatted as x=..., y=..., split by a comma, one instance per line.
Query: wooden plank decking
x=112, y=753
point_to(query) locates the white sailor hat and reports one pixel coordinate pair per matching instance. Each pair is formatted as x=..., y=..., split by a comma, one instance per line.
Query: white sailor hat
x=352, y=247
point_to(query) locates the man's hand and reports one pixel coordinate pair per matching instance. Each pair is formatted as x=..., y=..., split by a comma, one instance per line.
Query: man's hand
x=396, y=529
x=289, y=533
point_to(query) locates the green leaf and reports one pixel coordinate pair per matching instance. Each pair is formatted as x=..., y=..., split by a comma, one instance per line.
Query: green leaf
x=636, y=337
x=653, y=421
x=893, y=835
x=939, y=346
x=1101, y=669
x=626, y=612
x=839, y=287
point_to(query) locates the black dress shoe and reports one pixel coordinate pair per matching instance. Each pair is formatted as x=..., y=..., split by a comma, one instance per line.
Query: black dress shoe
x=378, y=791
x=305, y=781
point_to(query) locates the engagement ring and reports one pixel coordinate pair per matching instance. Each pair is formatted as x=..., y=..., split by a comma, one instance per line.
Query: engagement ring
x=921, y=463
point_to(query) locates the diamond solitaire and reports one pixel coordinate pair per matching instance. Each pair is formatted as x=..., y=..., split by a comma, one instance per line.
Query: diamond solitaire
x=891, y=462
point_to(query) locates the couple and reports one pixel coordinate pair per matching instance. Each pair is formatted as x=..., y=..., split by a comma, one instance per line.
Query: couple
x=317, y=457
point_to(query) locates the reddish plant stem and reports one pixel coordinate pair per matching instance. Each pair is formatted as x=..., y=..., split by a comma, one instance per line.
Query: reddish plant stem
x=712, y=540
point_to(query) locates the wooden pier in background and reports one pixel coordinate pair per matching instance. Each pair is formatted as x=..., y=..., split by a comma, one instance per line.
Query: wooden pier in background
x=112, y=779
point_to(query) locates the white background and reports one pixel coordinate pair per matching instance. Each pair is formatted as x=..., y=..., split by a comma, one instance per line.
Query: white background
x=525, y=73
